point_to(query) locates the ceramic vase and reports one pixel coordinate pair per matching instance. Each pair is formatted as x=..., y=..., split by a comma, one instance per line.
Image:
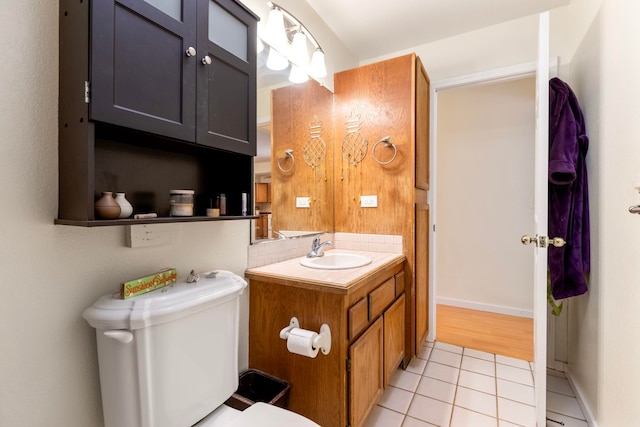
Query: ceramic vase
x=125, y=207
x=106, y=206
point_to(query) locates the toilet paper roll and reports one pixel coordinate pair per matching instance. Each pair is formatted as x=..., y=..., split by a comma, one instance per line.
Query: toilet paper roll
x=300, y=341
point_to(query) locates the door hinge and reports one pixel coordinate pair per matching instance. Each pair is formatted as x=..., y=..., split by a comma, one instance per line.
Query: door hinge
x=87, y=92
x=348, y=364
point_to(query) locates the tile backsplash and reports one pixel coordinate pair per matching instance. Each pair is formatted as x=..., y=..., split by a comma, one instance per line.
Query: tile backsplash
x=281, y=250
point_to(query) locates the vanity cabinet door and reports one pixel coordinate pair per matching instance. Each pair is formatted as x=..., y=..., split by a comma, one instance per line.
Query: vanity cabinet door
x=393, y=337
x=422, y=126
x=141, y=75
x=422, y=274
x=366, y=376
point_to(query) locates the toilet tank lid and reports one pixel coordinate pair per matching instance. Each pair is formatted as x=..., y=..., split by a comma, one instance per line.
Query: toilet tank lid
x=165, y=304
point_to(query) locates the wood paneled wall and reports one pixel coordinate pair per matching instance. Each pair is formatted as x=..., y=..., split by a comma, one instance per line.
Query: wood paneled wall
x=295, y=110
x=381, y=94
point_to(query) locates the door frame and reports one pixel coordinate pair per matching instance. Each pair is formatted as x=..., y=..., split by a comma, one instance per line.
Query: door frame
x=496, y=75
x=542, y=327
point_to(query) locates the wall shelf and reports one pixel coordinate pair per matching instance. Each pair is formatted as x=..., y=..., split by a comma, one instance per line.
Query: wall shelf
x=161, y=220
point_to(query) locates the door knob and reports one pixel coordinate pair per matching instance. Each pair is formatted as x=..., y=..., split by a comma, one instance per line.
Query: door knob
x=558, y=242
x=206, y=60
x=543, y=241
x=527, y=240
x=191, y=51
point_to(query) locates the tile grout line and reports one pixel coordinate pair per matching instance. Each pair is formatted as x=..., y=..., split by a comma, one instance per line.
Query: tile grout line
x=495, y=370
x=455, y=394
x=415, y=392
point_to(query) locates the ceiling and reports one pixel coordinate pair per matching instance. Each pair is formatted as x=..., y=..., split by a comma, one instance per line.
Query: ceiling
x=372, y=28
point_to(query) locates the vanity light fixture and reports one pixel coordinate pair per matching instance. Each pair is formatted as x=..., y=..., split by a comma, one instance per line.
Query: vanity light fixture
x=288, y=41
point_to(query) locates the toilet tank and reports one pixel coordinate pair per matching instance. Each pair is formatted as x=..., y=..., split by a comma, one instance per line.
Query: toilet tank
x=169, y=357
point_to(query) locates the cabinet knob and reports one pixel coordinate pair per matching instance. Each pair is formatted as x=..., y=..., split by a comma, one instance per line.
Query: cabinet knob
x=206, y=60
x=191, y=51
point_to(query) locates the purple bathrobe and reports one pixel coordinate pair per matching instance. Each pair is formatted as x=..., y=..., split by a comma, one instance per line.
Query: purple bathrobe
x=568, y=193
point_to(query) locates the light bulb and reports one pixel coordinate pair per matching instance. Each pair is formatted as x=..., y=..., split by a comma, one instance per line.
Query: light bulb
x=298, y=54
x=297, y=75
x=275, y=61
x=276, y=32
x=318, y=69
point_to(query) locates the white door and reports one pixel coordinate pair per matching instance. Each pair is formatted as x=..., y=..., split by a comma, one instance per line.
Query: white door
x=540, y=220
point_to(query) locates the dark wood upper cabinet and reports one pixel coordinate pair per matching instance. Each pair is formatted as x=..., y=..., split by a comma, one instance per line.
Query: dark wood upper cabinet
x=154, y=96
x=226, y=85
x=189, y=75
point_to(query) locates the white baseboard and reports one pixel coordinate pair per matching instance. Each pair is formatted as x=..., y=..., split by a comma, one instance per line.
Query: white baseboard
x=492, y=308
x=586, y=409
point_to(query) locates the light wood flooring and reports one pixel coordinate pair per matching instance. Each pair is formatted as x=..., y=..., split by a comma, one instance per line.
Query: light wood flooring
x=481, y=330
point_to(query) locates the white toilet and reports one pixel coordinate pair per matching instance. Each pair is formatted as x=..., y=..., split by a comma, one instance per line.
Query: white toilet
x=169, y=358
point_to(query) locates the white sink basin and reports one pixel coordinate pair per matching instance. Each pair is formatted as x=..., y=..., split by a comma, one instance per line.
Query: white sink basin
x=336, y=261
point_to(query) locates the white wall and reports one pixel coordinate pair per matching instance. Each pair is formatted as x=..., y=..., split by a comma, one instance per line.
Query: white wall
x=605, y=73
x=484, y=199
x=51, y=273
x=585, y=362
x=507, y=44
x=618, y=231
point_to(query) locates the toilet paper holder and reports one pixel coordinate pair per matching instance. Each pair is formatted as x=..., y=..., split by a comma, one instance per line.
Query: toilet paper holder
x=322, y=341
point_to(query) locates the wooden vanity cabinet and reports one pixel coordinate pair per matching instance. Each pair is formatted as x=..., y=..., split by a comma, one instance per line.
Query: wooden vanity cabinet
x=367, y=324
x=154, y=99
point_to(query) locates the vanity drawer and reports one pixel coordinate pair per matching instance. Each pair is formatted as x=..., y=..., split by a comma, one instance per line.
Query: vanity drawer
x=381, y=297
x=358, y=318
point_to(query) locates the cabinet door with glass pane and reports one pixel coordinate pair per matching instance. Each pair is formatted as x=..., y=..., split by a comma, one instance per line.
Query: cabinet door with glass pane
x=143, y=65
x=226, y=74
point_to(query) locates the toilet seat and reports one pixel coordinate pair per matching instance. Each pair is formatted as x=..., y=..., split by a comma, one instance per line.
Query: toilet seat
x=265, y=415
x=257, y=415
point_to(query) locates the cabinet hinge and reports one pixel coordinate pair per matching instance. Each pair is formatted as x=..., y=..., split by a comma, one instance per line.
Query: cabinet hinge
x=348, y=364
x=87, y=92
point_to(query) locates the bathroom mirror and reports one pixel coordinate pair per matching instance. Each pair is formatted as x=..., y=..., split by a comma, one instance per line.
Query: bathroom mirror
x=295, y=117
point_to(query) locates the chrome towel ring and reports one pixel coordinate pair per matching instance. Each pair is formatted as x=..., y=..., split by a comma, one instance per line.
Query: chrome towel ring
x=288, y=154
x=387, y=143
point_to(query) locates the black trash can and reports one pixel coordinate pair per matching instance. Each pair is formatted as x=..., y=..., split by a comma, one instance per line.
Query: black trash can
x=257, y=386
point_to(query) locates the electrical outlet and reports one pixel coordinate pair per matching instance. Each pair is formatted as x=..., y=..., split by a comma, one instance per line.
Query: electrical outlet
x=369, y=201
x=303, y=202
x=144, y=235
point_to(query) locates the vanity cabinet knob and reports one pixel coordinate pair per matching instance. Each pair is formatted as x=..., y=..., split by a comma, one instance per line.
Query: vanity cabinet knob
x=191, y=51
x=206, y=60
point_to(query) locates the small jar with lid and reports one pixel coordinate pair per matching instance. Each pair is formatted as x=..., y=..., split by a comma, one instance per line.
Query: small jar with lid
x=181, y=202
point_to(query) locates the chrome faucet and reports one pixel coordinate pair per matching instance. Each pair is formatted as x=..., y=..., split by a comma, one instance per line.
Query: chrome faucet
x=316, y=248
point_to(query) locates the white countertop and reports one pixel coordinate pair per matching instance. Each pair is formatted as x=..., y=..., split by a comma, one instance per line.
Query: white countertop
x=291, y=270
